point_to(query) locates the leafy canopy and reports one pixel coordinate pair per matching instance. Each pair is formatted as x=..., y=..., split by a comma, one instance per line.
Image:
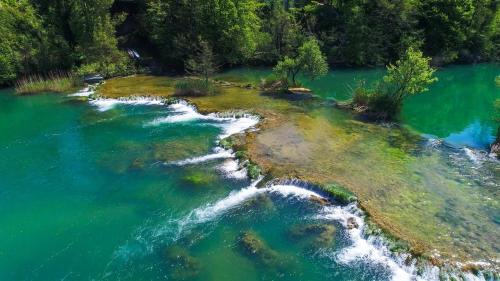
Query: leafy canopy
x=410, y=75
x=310, y=61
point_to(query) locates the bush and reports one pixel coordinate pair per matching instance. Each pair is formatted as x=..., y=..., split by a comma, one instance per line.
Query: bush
x=194, y=88
x=361, y=95
x=59, y=83
x=121, y=65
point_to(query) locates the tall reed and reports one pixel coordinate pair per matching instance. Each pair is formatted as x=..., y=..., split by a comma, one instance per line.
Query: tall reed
x=58, y=82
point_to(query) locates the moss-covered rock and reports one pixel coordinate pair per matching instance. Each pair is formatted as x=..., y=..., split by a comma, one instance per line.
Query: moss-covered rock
x=340, y=193
x=253, y=247
x=241, y=155
x=253, y=170
x=198, y=178
x=181, y=265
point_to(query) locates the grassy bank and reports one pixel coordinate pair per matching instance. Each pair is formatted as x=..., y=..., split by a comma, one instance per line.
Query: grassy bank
x=58, y=83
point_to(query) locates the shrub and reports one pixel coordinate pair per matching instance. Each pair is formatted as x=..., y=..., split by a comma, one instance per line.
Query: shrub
x=55, y=82
x=122, y=65
x=361, y=95
x=253, y=170
x=194, y=88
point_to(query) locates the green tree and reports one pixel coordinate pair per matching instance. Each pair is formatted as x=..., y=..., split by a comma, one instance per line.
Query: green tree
x=231, y=27
x=410, y=75
x=22, y=39
x=203, y=64
x=309, y=61
x=282, y=34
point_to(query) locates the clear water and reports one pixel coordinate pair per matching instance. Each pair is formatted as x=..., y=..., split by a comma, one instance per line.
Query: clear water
x=458, y=108
x=89, y=193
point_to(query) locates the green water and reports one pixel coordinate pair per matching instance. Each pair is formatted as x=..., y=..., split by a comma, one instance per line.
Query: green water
x=98, y=193
x=90, y=195
x=458, y=108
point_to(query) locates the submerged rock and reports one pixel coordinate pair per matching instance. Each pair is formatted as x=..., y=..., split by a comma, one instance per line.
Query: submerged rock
x=315, y=235
x=198, y=178
x=253, y=247
x=137, y=165
x=319, y=200
x=182, y=266
x=259, y=202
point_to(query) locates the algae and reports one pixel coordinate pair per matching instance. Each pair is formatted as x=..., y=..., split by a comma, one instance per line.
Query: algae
x=199, y=178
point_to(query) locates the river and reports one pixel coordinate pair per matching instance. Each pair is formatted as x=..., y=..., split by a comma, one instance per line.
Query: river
x=138, y=190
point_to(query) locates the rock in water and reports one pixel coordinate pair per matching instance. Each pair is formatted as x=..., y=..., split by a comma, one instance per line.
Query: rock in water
x=93, y=79
x=253, y=247
x=495, y=148
x=314, y=235
x=351, y=223
x=181, y=265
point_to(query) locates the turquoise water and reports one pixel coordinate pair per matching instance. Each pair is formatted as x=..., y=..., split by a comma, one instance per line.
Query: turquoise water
x=101, y=192
x=458, y=108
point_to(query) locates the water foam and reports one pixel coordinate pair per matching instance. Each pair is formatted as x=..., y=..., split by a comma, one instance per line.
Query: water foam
x=231, y=169
x=368, y=249
x=184, y=112
x=105, y=104
x=219, y=153
x=230, y=125
x=85, y=92
x=212, y=211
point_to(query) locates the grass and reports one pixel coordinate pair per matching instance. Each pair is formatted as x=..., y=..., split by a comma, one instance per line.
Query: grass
x=194, y=88
x=55, y=82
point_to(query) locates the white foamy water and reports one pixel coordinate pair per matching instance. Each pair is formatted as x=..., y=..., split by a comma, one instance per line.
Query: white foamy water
x=362, y=248
x=184, y=112
x=292, y=190
x=104, y=104
x=85, y=92
x=238, y=125
x=219, y=153
x=231, y=169
x=212, y=211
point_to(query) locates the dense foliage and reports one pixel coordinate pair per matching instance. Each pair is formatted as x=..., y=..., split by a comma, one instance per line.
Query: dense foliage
x=87, y=36
x=309, y=61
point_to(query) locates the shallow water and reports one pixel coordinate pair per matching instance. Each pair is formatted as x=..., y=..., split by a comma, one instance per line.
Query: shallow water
x=457, y=108
x=103, y=191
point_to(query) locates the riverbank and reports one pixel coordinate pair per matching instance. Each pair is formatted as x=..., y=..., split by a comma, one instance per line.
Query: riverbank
x=408, y=188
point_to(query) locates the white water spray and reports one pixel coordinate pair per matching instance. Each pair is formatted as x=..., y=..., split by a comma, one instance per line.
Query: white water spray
x=105, y=104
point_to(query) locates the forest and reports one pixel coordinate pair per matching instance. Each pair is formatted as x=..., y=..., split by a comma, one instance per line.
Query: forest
x=46, y=36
